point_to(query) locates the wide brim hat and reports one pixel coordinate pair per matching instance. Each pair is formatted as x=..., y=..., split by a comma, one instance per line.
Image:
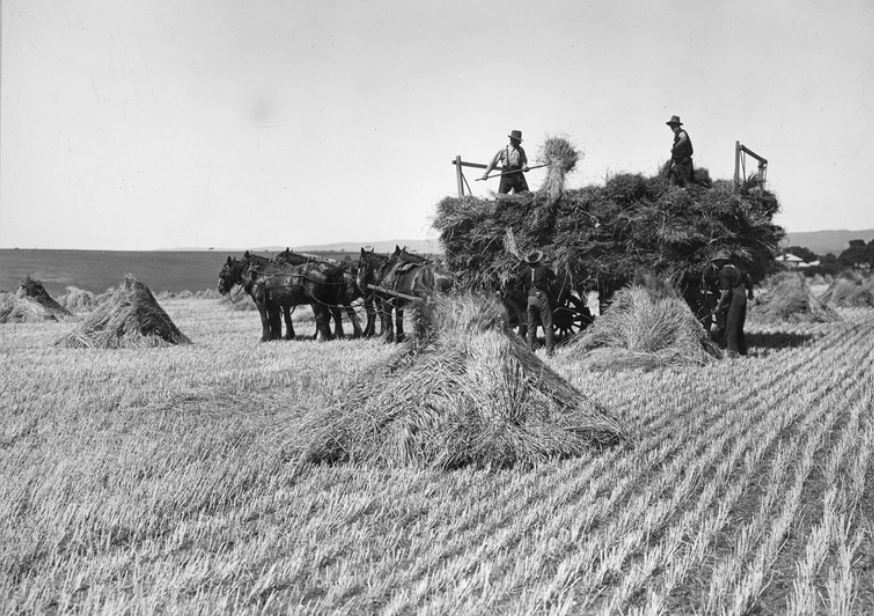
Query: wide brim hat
x=515, y=134
x=721, y=255
x=534, y=257
x=674, y=120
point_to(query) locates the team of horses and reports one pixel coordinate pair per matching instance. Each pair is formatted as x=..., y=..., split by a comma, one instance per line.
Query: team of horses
x=383, y=283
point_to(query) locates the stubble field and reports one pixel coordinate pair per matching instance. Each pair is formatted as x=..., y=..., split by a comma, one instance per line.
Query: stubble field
x=156, y=481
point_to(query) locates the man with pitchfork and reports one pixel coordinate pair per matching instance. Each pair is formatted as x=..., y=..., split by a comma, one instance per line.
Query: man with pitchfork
x=514, y=163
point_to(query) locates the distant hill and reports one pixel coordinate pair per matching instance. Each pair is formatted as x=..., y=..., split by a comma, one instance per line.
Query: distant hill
x=824, y=242
x=424, y=247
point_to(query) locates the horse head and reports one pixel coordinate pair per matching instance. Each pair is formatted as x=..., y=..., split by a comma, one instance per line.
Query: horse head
x=230, y=275
x=293, y=258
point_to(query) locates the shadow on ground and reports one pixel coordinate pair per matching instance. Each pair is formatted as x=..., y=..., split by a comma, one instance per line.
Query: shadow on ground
x=764, y=343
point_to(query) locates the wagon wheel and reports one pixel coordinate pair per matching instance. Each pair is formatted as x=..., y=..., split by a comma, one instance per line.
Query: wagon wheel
x=570, y=318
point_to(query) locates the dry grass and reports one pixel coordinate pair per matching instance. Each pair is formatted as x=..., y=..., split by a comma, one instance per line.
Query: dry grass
x=647, y=326
x=31, y=304
x=788, y=299
x=467, y=392
x=131, y=318
x=846, y=293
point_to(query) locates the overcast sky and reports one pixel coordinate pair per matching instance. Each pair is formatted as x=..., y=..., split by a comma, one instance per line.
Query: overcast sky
x=149, y=124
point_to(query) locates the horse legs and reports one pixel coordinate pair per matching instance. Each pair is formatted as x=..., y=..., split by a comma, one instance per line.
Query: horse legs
x=399, y=323
x=385, y=313
x=323, y=328
x=289, y=328
x=356, y=324
x=269, y=321
x=338, y=322
x=369, y=307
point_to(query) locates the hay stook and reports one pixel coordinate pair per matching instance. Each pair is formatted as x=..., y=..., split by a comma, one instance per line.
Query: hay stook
x=131, y=318
x=464, y=392
x=30, y=304
x=648, y=326
x=788, y=299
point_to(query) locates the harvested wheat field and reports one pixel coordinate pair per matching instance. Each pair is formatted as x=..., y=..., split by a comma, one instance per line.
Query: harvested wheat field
x=158, y=480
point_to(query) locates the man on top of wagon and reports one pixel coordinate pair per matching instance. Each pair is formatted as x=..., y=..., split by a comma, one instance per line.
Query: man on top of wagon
x=514, y=162
x=538, y=282
x=681, y=172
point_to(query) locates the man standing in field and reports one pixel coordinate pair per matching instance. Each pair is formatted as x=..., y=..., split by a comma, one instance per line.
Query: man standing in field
x=537, y=283
x=733, y=292
x=681, y=172
x=514, y=162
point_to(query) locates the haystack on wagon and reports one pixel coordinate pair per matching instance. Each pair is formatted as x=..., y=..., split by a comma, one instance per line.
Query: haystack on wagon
x=600, y=238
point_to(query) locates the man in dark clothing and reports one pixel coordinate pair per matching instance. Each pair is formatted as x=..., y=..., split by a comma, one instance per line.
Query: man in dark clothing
x=538, y=282
x=514, y=163
x=734, y=287
x=681, y=171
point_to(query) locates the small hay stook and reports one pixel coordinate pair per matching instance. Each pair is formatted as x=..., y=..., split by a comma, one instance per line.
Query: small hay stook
x=132, y=318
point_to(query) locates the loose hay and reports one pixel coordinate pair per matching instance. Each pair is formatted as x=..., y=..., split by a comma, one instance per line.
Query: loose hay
x=647, y=326
x=132, y=318
x=31, y=303
x=464, y=393
x=790, y=300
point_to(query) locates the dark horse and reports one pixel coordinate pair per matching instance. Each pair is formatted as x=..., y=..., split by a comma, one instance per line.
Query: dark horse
x=398, y=277
x=344, y=283
x=276, y=287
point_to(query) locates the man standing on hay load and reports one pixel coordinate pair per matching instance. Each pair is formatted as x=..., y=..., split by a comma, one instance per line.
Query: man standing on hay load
x=514, y=163
x=681, y=172
x=732, y=300
x=538, y=282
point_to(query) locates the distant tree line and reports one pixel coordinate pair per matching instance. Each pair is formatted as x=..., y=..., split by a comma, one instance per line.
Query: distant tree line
x=859, y=255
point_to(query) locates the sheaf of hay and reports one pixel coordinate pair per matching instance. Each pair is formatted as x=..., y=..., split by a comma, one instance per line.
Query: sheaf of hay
x=560, y=157
x=647, y=326
x=132, y=318
x=464, y=393
x=77, y=300
x=788, y=299
x=30, y=304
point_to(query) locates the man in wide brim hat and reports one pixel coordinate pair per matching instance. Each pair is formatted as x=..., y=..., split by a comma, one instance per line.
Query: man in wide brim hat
x=681, y=171
x=514, y=163
x=537, y=282
x=734, y=287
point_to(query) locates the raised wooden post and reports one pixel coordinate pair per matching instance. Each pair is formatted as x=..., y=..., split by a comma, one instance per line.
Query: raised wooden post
x=458, y=176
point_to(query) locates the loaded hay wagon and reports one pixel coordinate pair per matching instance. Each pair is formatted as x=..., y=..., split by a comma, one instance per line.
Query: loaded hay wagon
x=600, y=238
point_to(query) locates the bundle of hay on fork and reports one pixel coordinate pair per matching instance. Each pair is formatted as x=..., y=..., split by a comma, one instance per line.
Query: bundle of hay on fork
x=131, y=318
x=31, y=303
x=647, y=326
x=463, y=393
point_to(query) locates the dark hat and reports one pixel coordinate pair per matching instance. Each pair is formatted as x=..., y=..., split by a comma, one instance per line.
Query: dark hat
x=721, y=255
x=674, y=120
x=534, y=257
x=515, y=134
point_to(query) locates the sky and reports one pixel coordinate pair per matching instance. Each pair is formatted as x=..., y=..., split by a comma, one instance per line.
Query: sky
x=147, y=124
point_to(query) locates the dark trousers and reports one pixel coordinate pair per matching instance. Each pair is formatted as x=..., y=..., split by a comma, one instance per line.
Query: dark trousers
x=515, y=181
x=540, y=309
x=682, y=172
x=735, y=341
